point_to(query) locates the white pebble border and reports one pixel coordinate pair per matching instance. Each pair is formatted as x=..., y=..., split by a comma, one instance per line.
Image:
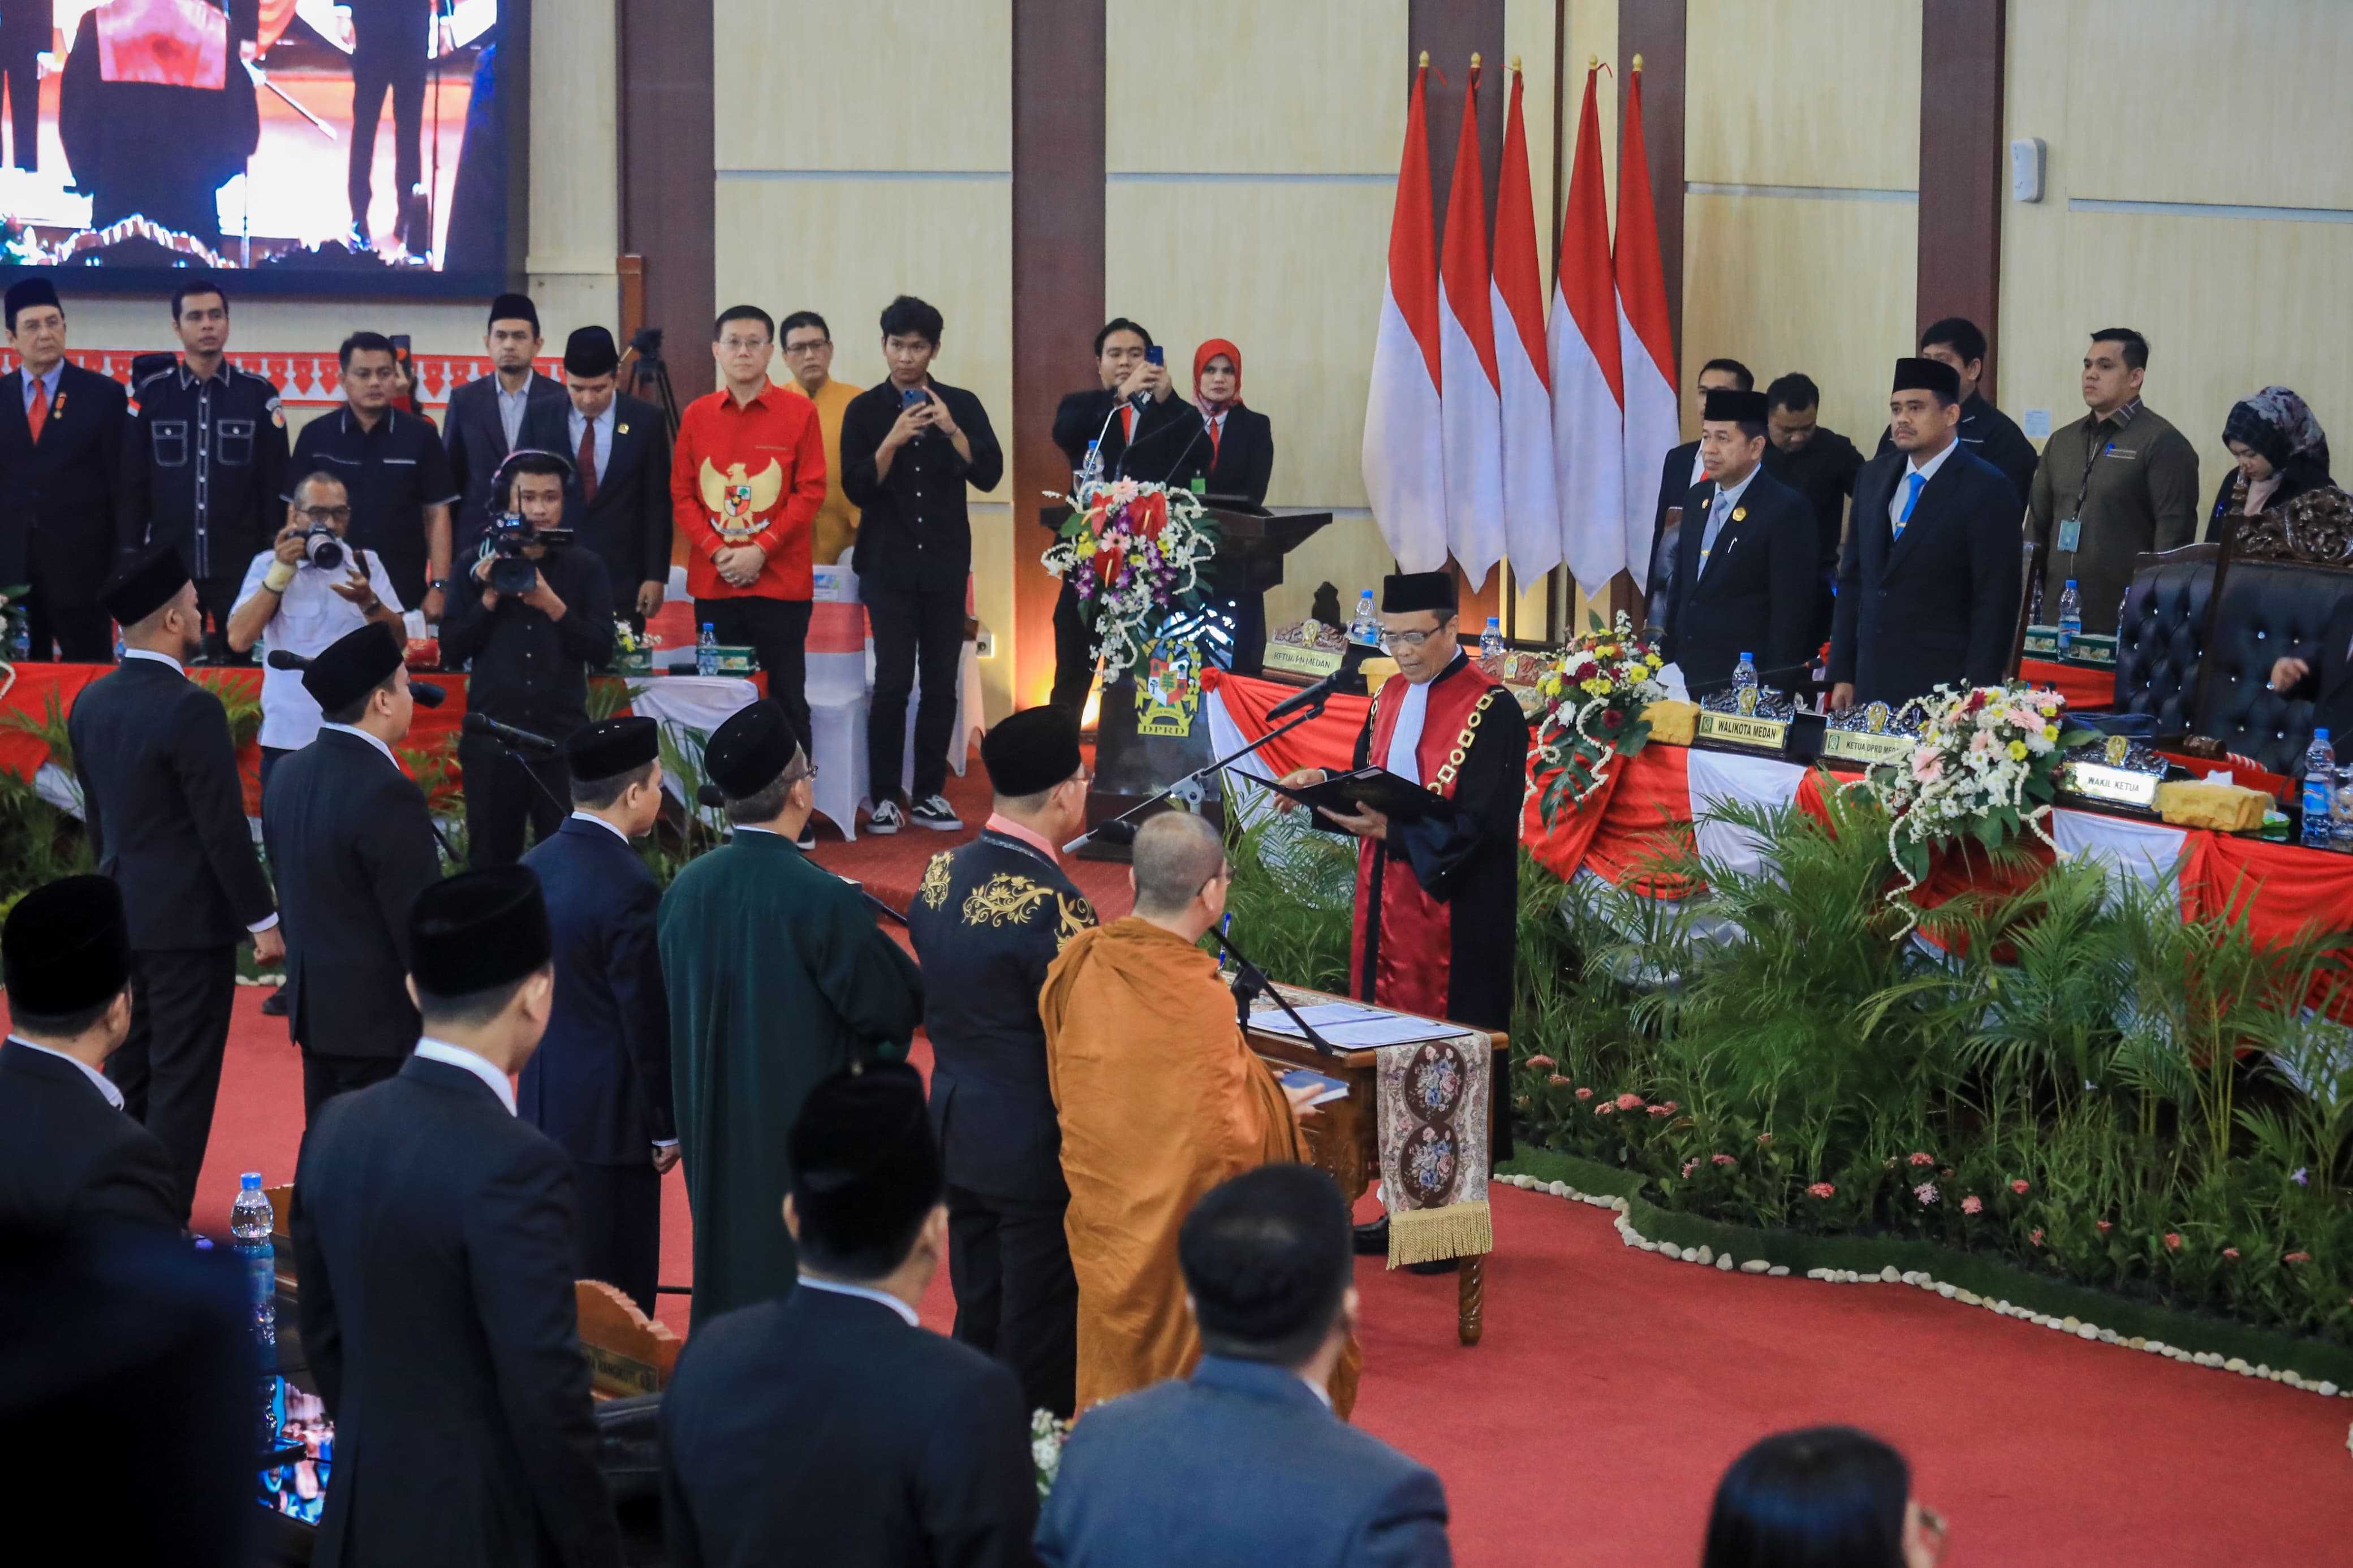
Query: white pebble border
x=261, y=980
x=1706, y=1256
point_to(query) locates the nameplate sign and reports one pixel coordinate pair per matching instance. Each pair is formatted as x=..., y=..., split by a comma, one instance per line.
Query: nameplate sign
x=1870, y=749
x=2116, y=786
x=2093, y=649
x=621, y=1376
x=1744, y=731
x=1293, y=659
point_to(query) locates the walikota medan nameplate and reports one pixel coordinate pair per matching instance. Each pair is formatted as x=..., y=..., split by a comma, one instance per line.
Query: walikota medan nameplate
x=2114, y=772
x=1753, y=718
x=1875, y=734
x=1309, y=648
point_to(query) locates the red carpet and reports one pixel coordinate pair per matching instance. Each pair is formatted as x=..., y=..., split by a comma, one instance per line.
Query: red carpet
x=1614, y=1386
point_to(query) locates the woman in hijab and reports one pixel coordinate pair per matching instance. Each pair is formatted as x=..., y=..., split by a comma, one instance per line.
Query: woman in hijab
x=2281, y=451
x=1240, y=441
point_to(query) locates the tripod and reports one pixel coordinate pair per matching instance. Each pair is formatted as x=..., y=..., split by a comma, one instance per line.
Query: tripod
x=648, y=377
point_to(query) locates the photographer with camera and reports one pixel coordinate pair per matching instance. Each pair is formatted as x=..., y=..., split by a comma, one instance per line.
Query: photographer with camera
x=534, y=616
x=309, y=588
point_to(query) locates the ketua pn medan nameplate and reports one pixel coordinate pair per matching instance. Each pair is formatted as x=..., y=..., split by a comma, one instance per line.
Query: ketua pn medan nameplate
x=1755, y=718
x=2117, y=772
x=1309, y=648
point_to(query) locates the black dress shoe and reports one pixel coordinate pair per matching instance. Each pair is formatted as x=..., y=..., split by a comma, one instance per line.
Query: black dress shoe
x=1372, y=1240
x=274, y=1005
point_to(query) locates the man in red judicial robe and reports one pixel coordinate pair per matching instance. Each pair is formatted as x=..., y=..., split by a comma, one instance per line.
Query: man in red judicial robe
x=1437, y=900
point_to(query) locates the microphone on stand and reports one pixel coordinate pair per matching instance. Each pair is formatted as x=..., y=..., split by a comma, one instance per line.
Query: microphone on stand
x=507, y=734
x=1352, y=658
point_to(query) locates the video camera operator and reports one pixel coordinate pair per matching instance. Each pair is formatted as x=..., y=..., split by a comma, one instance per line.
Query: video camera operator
x=533, y=615
x=309, y=588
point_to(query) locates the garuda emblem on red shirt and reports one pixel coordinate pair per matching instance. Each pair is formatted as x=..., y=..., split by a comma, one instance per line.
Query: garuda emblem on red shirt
x=737, y=502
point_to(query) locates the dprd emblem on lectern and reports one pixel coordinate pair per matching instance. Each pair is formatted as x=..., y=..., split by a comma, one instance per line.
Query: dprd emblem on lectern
x=1169, y=695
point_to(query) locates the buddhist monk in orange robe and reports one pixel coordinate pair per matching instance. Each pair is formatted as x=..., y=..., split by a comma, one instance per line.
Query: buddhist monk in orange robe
x=1159, y=1099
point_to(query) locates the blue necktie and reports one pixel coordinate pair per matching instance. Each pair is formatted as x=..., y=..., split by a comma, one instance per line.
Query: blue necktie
x=1717, y=512
x=1911, y=498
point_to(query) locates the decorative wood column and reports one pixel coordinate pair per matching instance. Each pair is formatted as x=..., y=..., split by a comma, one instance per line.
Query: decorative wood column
x=1962, y=159
x=669, y=176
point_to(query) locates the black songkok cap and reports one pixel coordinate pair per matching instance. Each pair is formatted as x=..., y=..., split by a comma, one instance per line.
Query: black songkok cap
x=1031, y=751
x=515, y=308
x=589, y=350
x=1409, y=591
x=611, y=747
x=479, y=930
x=747, y=753
x=65, y=947
x=1731, y=404
x=28, y=292
x=353, y=666
x=865, y=1165
x=143, y=584
x=1927, y=375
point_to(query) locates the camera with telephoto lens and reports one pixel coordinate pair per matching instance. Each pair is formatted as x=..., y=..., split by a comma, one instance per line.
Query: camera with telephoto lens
x=512, y=572
x=324, y=548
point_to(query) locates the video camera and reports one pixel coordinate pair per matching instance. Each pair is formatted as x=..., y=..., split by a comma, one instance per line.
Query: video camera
x=512, y=572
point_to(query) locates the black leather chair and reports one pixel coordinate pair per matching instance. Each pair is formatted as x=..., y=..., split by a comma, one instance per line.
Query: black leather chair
x=2162, y=633
x=2029, y=575
x=2263, y=611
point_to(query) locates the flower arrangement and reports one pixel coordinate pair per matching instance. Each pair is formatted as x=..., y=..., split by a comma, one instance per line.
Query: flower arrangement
x=1047, y=1435
x=1987, y=768
x=1593, y=701
x=1135, y=553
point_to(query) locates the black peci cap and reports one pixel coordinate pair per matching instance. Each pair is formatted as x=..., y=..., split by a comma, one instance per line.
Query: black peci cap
x=611, y=747
x=479, y=930
x=1031, y=751
x=145, y=584
x=515, y=308
x=65, y=947
x=28, y=292
x=1407, y=591
x=747, y=753
x=1928, y=375
x=589, y=352
x=1733, y=406
x=353, y=666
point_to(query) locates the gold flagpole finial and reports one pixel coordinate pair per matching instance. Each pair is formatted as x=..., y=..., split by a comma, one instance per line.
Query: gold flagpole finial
x=1474, y=60
x=1638, y=62
x=1425, y=60
x=1593, y=62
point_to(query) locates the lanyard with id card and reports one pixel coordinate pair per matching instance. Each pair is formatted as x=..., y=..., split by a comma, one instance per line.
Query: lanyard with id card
x=2071, y=527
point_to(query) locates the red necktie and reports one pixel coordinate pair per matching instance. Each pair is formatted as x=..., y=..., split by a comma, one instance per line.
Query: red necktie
x=1216, y=429
x=39, y=413
x=1127, y=422
x=588, y=460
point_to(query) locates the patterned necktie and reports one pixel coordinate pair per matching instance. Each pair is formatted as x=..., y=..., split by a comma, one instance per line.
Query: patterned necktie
x=39, y=413
x=587, y=463
x=1911, y=498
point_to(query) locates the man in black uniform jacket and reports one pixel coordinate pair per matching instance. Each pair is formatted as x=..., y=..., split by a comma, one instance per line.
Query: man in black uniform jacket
x=353, y=845
x=60, y=461
x=1680, y=474
x=828, y=1427
x=990, y=917
x=1744, y=559
x=531, y=654
x=70, y=1158
x=599, y=1084
x=166, y=813
x=1820, y=464
x=618, y=495
x=1144, y=431
x=1985, y=431
x=433, y=1230
x=1928, y=587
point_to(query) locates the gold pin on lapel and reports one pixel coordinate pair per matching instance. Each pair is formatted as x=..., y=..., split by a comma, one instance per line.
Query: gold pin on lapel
x=620, y=429
x=1740, y=513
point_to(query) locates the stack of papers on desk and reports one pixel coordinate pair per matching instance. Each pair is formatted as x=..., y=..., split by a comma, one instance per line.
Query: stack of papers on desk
x=1352, y=1026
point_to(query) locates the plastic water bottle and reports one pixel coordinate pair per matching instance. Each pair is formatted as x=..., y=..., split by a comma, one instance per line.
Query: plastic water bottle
x=2340, y=817
x=1090, y=471
x=2319, y=792
x=20, y=647
x=1491, y=641
x=706, y=650
x=251, y=1221
x=1366, y=628
x=1743, y=674
x=2071, y=618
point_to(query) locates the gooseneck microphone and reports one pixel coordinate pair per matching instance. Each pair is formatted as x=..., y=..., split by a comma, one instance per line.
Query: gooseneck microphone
x=507, y=734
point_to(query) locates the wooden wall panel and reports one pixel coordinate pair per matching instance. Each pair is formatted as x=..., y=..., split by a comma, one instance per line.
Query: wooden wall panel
x=1821, y=286
x=1964, y=169
x=1826, y=93
x=667, y=215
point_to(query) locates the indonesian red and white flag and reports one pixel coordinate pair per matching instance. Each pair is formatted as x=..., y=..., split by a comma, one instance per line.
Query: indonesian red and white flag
x=1588, y=388
x=1404, y=460
x=1470, y=405
x=1531, y=504
x=1646, y=341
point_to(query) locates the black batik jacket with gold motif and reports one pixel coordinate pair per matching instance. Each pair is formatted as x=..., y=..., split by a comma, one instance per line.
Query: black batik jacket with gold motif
x=989, y=918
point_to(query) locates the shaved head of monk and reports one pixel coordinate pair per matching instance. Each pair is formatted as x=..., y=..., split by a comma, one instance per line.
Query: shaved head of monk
x=1179, y=869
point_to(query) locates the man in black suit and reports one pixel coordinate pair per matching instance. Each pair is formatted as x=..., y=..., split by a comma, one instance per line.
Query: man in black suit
x=1818, y=463
x=60, y=466
x=1679, y=474
x=2321, y=680
x=1266, y=1264
x=1985, y=431
x=433, y=1231
x=392, y=44
x=829, y=1426
x=1744, y=559
x=353, y=846
x=599, y=1084
x=1928, y=587
x=69, y=1157
x=484, y=421
x=28, y=29
x=618, y=495
x=992, y=1104
x=166, y=813
x=1141, y=430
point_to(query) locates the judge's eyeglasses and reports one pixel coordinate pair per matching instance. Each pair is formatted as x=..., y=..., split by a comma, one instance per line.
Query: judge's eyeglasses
x=1412, y=640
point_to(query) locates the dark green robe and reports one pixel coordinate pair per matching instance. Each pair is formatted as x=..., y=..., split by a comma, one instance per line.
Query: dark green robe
x=778, y=976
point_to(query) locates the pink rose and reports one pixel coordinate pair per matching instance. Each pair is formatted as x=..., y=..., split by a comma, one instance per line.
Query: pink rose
x=2172, y=1241
x=1972, y=1205
x=1605, y=1108
x=1820, y=1190
x=1918, y=1159
x=2230, y=1252
x=1724, y=1159
x=1661, y=1110
x=2019, y=1187
x=1630, y=1102
x=1543, y=1064
x=2103, y=1225
x=1670, y=1106
x=1585, y=1094
x=1558, y=1081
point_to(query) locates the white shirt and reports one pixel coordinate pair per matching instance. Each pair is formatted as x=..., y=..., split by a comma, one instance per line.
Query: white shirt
x=1699, y=468
x=442, y=1052
x=362, y=734
x=592, y=816
x=311, y=616
x=864, y=1293
x=603, y=426
x=177, y=669
x=1926, y=470
x=105, y=1084
x=511, y=407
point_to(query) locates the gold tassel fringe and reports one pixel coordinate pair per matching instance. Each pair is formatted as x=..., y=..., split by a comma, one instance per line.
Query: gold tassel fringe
x=1432, y=1236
